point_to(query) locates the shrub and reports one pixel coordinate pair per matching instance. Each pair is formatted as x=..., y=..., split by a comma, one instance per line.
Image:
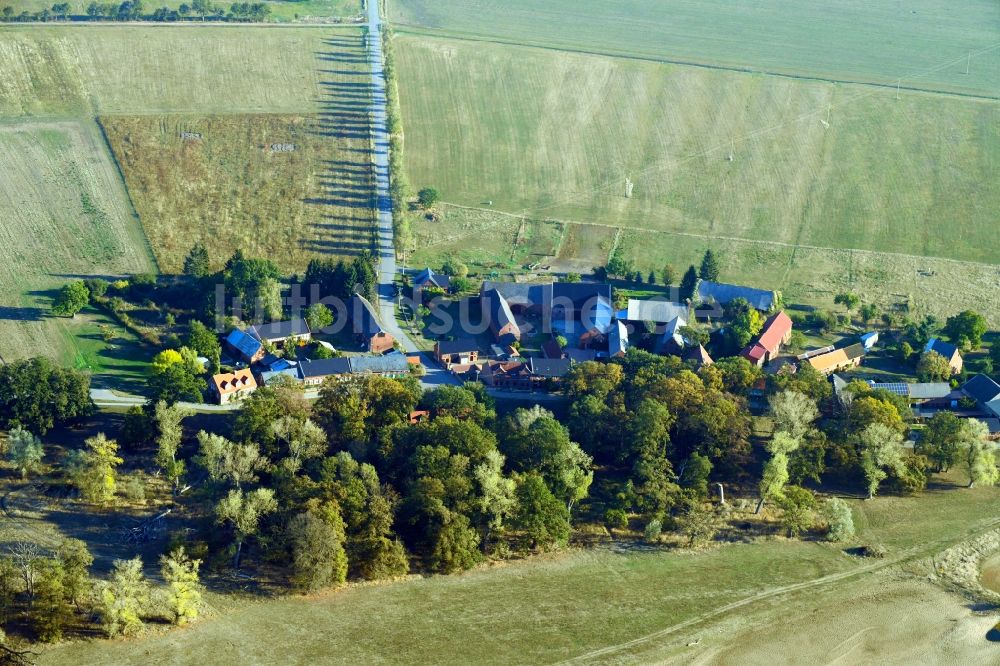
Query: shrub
x=651, y=533
x=615, y=519
x=839, y=518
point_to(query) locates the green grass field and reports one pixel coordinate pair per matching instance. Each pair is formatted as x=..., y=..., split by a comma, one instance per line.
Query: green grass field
x=557, y=607
x=282, y=11
x=65, y=215
x=923, y=42
x=547, y=134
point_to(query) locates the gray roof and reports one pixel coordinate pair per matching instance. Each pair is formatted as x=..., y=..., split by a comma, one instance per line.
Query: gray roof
x=544, y=294
x=279, y=330
x=580, y=355
x=721, y=293
x=390, y=363
x=457, y=346
x=985, y=391
x=269, y=376
x=520, y=294
x=366, y=321
x=582, y=293
x=659, y=312
x=549, y=367
x=498, y=309
x=429, y=277
x=922, y=391
x=324, y=367
x=618, y=338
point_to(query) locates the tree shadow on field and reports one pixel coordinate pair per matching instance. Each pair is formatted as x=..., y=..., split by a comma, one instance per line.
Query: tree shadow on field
x=345, y=116
x=338, y=247
x=22, y=313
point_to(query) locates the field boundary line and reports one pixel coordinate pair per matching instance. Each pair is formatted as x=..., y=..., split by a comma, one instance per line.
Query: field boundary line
x=735, y=239
x=128, y=194
x=418, y=31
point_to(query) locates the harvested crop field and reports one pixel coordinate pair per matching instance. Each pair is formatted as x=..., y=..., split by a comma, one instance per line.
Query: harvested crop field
x=286, y=187
x=551, y=134
x=65, y=215
x=923, y=42
x=104, y=69
x=824, y=186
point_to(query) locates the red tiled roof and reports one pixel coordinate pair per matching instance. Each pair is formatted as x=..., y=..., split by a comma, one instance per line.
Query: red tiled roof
x=754, y=352
x=774, y=331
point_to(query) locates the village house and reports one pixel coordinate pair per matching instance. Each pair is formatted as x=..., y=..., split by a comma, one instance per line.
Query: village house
x=232, y=386
x=390, y=365
x=508, y=375
x=765, y=348
x=460, y=351
x=497, y=311
x=986, y=393
x=949, y=351
x=838, y=359
x=246, y=347
x=618, y=342
x=429, y=279
x=916, y=393
x=721, y=294
x=271, y=377
x=316, y=372
x=672, y=343
x=276, y=333
x=698, y=355
x=567, y=307
x=652, y=311
x=367, y=328
x=550, y=370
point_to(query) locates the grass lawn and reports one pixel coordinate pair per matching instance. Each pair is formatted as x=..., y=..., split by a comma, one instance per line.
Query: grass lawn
x=66, y=215
x=924, y=42
x=230, y=190
x=548, y=608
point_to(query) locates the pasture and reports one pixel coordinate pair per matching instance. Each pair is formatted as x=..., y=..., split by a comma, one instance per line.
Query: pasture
x=925, y=43
x=65, y=215
x=615, y=601
x=823, y=167
x=277, y=186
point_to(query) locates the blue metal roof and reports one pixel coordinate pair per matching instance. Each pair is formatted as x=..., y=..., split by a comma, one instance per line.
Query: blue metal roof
x=243, y=342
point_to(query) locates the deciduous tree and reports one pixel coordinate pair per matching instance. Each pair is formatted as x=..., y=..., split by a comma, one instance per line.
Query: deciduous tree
x=244, y=511
x=882, y=450
x=183, y=587
x=93, y=469
x=72, y=298
x=25, y=451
